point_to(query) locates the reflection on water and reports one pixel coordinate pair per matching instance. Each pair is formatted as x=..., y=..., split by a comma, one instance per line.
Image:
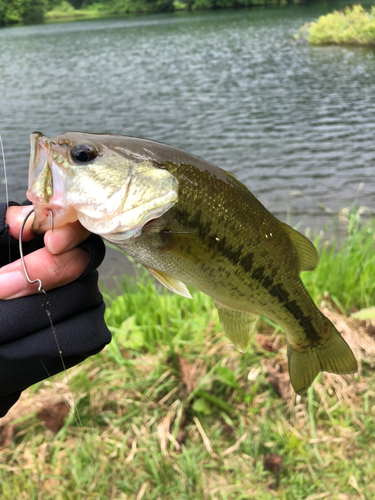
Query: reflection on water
x=295, y=123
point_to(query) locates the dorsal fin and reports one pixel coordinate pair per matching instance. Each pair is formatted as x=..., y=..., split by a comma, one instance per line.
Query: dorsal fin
x=307, y=253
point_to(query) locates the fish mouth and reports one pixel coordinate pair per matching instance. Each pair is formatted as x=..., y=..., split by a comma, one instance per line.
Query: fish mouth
x=123, y=228
x=118, y=213
x=46, y=186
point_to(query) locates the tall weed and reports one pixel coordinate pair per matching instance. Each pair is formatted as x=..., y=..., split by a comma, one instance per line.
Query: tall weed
x=346, y=269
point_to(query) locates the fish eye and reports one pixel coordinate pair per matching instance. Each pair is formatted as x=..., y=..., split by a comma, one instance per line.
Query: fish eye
x=83, y=153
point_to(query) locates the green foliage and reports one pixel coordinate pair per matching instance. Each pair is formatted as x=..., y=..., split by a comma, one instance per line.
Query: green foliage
x=92, y=9
x=157, y=316
x=139, y=6
x=65, y=11
x=223, y=4
x=51, y=4
x=354, y=25
x=29, y=11
x=365, y=314
x=171, y=410
x=201, y=4
x=21, y=11
x=346, y=269
x=64, y=8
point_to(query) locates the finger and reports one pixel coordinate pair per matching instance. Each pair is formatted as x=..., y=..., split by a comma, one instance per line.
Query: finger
x=65, y=237
x=53, y=271
x=15, y=217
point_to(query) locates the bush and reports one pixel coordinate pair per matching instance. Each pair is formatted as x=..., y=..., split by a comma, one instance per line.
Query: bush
x=66, y=11
x=354, y=25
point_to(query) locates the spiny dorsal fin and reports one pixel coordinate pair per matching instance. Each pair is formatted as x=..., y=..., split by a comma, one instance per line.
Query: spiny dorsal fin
x=307, y=253
x=230, y=174
x=173, y=284
x=333, y=356
x=238, y=326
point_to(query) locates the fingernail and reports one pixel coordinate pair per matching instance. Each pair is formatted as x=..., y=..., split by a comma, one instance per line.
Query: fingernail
x=12, y=285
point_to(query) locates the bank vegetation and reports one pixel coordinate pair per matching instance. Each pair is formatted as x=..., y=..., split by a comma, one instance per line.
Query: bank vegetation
x=170, y=410
x=351, y=26
x=15, y=12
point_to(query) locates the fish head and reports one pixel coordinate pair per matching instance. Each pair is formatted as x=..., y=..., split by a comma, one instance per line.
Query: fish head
x=94, y=178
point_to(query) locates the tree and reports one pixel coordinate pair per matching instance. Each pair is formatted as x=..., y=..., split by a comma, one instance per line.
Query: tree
x=22, y=11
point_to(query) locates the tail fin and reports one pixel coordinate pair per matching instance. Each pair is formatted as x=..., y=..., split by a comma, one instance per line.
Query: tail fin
x=333, y=355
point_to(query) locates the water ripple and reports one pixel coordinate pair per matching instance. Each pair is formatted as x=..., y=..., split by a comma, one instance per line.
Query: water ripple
x=295, y=123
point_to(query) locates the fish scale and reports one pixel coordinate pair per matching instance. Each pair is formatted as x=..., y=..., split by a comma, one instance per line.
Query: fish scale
x=190, y=222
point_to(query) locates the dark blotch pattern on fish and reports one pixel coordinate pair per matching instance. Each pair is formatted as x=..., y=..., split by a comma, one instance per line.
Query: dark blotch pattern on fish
x=258, y=274
x=246, y=261
x=277, y=290
x=233, y=254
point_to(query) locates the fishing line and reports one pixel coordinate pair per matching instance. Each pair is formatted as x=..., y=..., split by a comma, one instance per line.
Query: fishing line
x=6, y=186
x=45, y=304
x=47, y=307
x=5, y=172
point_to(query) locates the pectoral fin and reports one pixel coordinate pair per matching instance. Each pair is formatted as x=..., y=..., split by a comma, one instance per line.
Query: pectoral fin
x=170, y=282
x=238, y=326
x=333, y=356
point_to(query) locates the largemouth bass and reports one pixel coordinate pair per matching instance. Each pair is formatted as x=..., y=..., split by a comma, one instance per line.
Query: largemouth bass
x=188, y=221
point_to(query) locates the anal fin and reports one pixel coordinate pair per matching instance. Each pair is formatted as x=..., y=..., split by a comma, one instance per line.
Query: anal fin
x=238, y=326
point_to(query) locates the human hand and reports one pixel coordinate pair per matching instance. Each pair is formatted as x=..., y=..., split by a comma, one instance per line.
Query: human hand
x=28, y=348
x=58, y=263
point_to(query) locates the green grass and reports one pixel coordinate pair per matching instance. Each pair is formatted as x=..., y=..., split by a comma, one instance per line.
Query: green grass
x=347, y=262
x=170, y=410
x=352, y=26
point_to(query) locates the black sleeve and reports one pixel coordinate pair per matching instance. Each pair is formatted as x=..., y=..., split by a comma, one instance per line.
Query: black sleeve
x=29, y=346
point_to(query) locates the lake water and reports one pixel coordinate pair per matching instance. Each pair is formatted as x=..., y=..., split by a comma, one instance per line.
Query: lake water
x=295, y=123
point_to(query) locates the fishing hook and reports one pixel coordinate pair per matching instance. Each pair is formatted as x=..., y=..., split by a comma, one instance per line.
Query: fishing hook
x=37, y=280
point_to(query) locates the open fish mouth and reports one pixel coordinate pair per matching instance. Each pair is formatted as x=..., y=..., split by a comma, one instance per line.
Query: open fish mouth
x=46, y=186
